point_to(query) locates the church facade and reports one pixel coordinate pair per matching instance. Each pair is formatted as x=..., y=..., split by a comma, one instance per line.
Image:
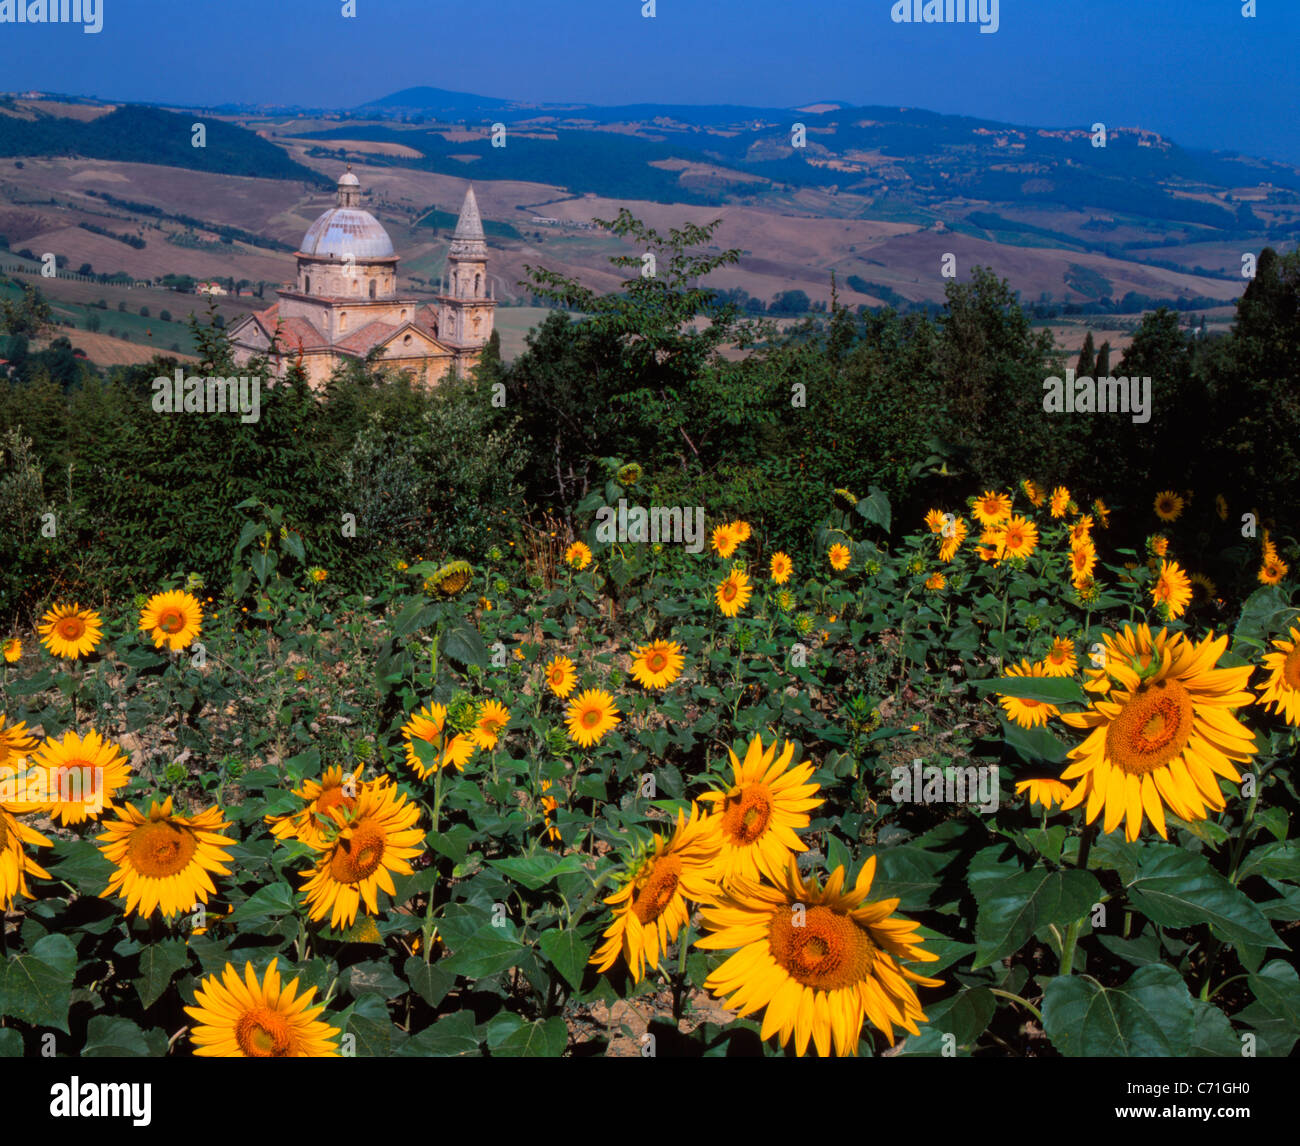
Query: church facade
x=344, y=303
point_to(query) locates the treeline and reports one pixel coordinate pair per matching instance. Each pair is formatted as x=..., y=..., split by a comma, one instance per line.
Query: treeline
x=923, y=407
x=227, y=233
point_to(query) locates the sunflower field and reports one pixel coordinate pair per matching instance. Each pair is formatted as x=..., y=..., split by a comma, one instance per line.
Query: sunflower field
x=997, y=783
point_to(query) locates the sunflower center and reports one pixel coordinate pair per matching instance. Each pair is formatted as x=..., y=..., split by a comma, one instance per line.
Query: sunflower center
x=1153, y=728
x=71, y=628
x=658, y=890
x=1291, y=667
x=820, y=948
x=656, y=661
x=160, y=848
x=729, y=591
x=359, y=857
x=264, y=1033
x=747, y=813
x=591, y=718
x=171, y=621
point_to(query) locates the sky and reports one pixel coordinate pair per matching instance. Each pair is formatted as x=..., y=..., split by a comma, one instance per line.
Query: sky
x=1196, y=71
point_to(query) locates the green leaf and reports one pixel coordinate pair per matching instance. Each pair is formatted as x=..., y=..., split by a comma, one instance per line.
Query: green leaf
x=1277, y=988
x=83, y=866
x=415, y=616
x=485, y=951
x=1033, y=745
x=1048, y=689
x=535, y=872
x=371, y=1026
x=273, y=899
x=909, y=874
x=875, y=508
x=1212, y=1034
x=464, y=645
x=373, y=977
x=1178, y=888
x=11, y=1043
x=37, y=987
x=545, y=1038
x=158, y=963
x=1273, y=861
x=1152, y=1015
x=452, y=1036
x=1013, y=908
x=109, y=1036
x=568, y=951
x=428, y=980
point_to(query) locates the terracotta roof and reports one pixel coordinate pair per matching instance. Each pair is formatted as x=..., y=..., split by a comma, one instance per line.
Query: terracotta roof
x=365, y=338
x=299, y=334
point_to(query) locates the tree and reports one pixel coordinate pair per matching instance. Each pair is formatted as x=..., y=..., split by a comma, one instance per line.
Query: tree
x=1087, y=358
x=30, y=315
x=1101, y=368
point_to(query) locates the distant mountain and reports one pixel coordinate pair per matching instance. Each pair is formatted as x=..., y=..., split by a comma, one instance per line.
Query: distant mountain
x=433, y=101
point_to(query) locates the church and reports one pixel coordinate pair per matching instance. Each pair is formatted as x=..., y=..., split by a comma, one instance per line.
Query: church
x=345, y=302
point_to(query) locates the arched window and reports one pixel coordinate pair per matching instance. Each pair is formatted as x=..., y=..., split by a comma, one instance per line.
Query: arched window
x=373, y=286
x=478, y=285
x=306, y=284
x=343, y=321
x=406, y=341
x=403, y=319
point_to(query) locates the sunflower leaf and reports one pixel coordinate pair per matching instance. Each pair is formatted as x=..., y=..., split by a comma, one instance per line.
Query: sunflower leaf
x=535, y=872
x=1279, y=860
x=1011, y=909
x=568, y=952
x=545, y=1038
x=37, y=987
x=158, y=963
x=1048, y=689
x=1151, y=1015
x=110, y=1036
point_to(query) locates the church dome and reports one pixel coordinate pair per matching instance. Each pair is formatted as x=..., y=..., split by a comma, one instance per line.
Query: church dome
x=347, y=229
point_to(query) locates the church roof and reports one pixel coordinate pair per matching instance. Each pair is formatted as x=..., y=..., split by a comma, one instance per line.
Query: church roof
x=470, y=224
x=347, y=229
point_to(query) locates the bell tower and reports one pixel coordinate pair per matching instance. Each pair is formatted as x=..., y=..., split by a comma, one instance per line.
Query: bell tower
x=467, y=302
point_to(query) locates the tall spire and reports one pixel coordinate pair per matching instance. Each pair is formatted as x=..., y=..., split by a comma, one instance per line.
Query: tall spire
x=468, y=240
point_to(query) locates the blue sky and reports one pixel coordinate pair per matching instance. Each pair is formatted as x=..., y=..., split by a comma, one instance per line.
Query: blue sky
x=1195, y=70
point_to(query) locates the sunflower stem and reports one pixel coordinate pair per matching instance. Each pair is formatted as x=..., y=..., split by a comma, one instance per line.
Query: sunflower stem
x=1017, y=999
x=1072, y=932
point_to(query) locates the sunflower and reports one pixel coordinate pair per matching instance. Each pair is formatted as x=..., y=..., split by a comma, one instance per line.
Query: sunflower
x=657, y=664
x=780, y=568
x=317, y=575
x=15, y=864
x=248, y=1019
x=1204, y=590
x=549, y=807
x=430, y=725
x=734, y=593
x=1027, y=713
x=755, y=819
x=629, y=474
x=1083, y=560
x=74, y=780
x=1172, y=591
x=491, y=723
x=742, y=530
x=173, y=619
x=724, y=540
x=1273, y=569
x=1087, y=590
x=1045, y=792
x=1158, y=545
x=69, y=631
x=1081, y=530
x=1060, y=659
x=12, y=649
x=820, y=960
x=578, y=555
x=335, y=789
x=1162, y=735
x=561, y=676
x=936, y=582
x=952, y=540
x=591, y=715
x=1034, y=492
x=991, y=507
x=935, y=519
x=1102, y=511
x=373, y=839
x=1018, y=538
x=839, y=557
x=650, y=908
x=1282, y=691
x=452, y=579
x=1169, y=506
x=163, y=860
x=15, y=743
x=1060, y=501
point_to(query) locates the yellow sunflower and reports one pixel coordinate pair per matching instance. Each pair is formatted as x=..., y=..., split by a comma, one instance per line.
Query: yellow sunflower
x=452, y=579
x=1158, y=545
x=248, y=1019
x=490, y=725
x=373, y=839
x=1045, y=792
x=1083, y=560
x=578, y=555
x=991, y=507
x=952, y=540
x=318, y=575
x=935, y=519
x=172, y=619
x=781, y=568
x=657, y=664
x=755, y=819
x=430, y=725
x=936, y=582
x=561, y=676
x=1034, y=492
x=839, y=557
x=74, y=780
x=1204, y=590
x=1027, y=713
x=1081, y=530
x=820, y=960
x=1060, y=659
x=15, y=864
x=651, y=906
x=1060, y=501
x=550, y=805
x=1282, y=690
x=163, y=860
x=1018, y=537
x=1162, y=735
x=724, y=540
x=335, y=789
x=1273, y=569
x=69, y=631
x=1168, y=505
x=1172, y=590
x=742, y=530
x=15, y=743
x=12, y=649
x=1100, y=508
x=591, y=714
x=734, y=593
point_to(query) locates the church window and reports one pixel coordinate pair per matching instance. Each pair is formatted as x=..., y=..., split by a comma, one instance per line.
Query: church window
x=373, y=285
x=343, y=320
